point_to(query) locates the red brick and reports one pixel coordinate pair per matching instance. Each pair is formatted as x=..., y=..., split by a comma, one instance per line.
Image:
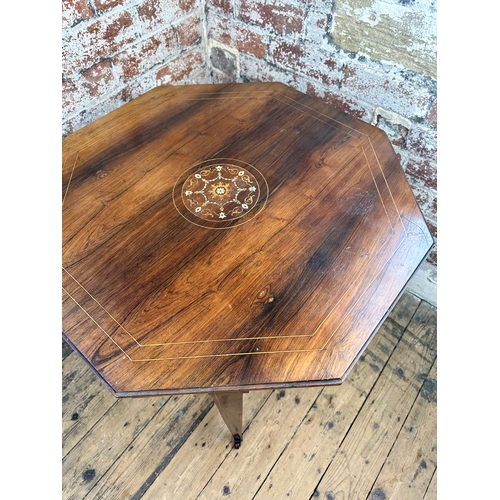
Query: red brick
x=74, y=11
x=155, y=13
x=113, y=29
x=283, y=18
x=310, y=62
x=432, y=116
x=189, y=31
x=247, y=41
x=150, y=9
x=97, y=78
x=71, y=125
x=423, y=142
x=432, y=228
x=96, y=41
x=145, y=54
x=224, y=5
x=422, y=170
x=290, y=54
x=187, y=5
x=180, y=68
x=130, y=91
x=426, y=198
x=236, y=34
x=337, y=101
x=71, y=95
x=107, y=4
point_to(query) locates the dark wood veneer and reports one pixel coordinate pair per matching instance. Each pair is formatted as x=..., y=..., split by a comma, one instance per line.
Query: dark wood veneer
x=159, y=300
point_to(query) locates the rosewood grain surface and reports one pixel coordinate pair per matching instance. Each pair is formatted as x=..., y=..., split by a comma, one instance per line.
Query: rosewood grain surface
x=231, y=237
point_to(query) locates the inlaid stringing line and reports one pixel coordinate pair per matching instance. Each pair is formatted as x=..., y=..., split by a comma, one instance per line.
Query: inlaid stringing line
x=376, y=185
x=346, y=292
x=362, y=148
x=361, y=295
x=223, y=340
x=282, y=351
x=171, y=343
x=180, y=357
x=387, y=184
x=71, y=176
x=371, y=145
x=97, y=324
x=227, y=355
x=101, y=306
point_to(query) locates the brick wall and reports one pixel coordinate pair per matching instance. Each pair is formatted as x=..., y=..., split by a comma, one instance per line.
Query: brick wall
x=374, y=59
x=115, y=50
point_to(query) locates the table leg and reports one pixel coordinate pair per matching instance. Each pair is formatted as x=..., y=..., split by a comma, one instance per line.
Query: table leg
x=230, y=405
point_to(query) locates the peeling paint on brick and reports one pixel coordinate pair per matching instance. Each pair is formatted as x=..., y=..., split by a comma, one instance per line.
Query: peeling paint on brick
x=258, y=70
x=107, y=4
x=224, y=5
x=390, y=91
x=145, y=54
x=423, y=140
x=112, y=54
x=180, y=69
x=432, y=116
x=239, y=35
x=309, y=61
x=74, y=11
x=281, y=17
x=318, y=25
x=71, y=95
x=97, y=78
x=148, y=10
x=338, y=101
x=423, y=170
x=395, y=126
x=187, y=5
x=90, y=43
x=189, y=31
x=103, y=107
x=426, y=198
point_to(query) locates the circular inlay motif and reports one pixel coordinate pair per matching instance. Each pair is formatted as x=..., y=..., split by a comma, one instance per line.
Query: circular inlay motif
x=220, y=190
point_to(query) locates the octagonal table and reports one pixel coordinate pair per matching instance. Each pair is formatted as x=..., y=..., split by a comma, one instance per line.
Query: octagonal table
x=228, y=238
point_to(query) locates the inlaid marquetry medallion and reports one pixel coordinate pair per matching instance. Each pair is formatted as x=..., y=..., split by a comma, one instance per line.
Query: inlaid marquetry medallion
x=220, y=193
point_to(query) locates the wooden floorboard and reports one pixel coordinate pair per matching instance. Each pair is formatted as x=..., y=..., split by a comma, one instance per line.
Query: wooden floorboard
x=372, y=438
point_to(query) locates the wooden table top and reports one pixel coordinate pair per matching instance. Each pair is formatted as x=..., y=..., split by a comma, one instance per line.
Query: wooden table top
x=231, y=237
